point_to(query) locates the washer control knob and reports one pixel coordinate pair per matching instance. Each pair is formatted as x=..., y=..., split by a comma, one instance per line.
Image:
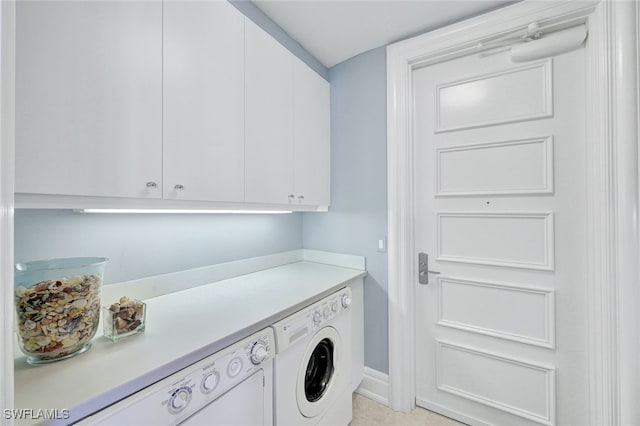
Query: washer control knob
x=326, y=312
x=179, y=399
x=334, y=307
x=346, y=300
x=259, y=352
x=317, y=317
x=210, y=382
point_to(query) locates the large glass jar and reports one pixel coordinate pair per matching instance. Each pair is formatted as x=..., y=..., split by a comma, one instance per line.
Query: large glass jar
x=57, y=306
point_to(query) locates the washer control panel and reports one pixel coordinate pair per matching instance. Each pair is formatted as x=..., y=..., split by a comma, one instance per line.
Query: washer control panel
x=180, y=395
x=308, y=320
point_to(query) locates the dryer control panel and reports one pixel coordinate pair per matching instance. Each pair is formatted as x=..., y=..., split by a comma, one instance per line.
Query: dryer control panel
x=308, y=320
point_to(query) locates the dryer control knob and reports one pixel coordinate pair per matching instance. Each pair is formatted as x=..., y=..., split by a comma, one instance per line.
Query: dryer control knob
x=346, y=300
x=334, y=307
x=317, y=317
x=259, y=352
x=326, y=312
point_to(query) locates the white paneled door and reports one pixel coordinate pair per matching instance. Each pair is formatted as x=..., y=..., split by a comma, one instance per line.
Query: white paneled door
x=499, y=163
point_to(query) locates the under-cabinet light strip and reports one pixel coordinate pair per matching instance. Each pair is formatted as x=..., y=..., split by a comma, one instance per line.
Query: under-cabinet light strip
x=182, y=211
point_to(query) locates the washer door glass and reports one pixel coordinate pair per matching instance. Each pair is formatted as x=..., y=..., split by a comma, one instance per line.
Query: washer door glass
x=322, y=373
x=319, y=370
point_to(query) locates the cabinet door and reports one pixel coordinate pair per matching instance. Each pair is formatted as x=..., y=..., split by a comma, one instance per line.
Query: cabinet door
x=89, y=98
x=311, y=136
x=203, y=101
x=269, y=118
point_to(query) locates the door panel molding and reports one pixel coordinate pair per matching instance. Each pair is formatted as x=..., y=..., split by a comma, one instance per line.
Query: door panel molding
x=543, y=177
x=462, y=93
x=612, y=197
x=546, y=313
x=546, y=243
x=523, y=393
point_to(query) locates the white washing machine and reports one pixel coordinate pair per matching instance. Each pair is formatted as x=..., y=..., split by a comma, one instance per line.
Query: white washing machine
x=312, y=367
x=232, y=387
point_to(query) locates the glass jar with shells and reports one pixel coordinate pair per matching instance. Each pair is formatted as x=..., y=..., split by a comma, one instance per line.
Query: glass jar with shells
x=57, y=306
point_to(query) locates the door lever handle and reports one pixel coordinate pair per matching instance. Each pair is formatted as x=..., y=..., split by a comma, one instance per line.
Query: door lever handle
x=423, y=268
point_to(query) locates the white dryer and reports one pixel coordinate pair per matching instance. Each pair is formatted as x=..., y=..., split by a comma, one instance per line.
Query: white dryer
x=312, y=367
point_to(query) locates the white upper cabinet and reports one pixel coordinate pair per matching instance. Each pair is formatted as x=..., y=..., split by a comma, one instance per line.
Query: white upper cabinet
x=287, y=126
x=269, y=124
x=203, y=98
x=311, y=136
x=89, y=98
x=184, y=101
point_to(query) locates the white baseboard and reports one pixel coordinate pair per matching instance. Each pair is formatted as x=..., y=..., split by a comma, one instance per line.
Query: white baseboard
x=375, y=386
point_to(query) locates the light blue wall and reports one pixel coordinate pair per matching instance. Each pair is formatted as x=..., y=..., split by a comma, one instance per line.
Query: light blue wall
x=357, y=218
x=150, y=244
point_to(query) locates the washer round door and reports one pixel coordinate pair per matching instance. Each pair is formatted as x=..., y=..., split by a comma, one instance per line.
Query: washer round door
x=319, y=367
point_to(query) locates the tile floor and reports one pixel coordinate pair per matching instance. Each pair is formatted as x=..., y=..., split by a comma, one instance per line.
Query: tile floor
x=370, y=413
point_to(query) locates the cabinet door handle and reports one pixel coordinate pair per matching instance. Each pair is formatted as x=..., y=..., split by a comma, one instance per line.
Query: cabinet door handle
x=291, y=196
x=152, y=185
x=301, y=197
x=178, y=187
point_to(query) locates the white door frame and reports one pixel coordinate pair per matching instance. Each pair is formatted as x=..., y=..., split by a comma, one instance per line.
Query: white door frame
x=7, y=126
x=612, y=198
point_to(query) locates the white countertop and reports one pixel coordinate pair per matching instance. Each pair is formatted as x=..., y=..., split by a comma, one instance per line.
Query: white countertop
x=181, y=328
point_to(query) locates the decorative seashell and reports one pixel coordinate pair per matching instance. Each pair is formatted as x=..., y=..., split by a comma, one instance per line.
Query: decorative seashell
x=42, y=286
x=133, y=325
x=68, y=342
x=120, y=324
x=55, y=287
x=43, y=340
x=30, y=333
x=75, y=312
x=79, y=304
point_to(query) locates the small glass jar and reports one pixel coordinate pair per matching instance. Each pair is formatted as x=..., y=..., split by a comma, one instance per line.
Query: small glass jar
x=124, y=318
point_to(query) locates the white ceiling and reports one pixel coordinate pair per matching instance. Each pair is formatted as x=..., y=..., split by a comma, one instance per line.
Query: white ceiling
x=336, y=30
